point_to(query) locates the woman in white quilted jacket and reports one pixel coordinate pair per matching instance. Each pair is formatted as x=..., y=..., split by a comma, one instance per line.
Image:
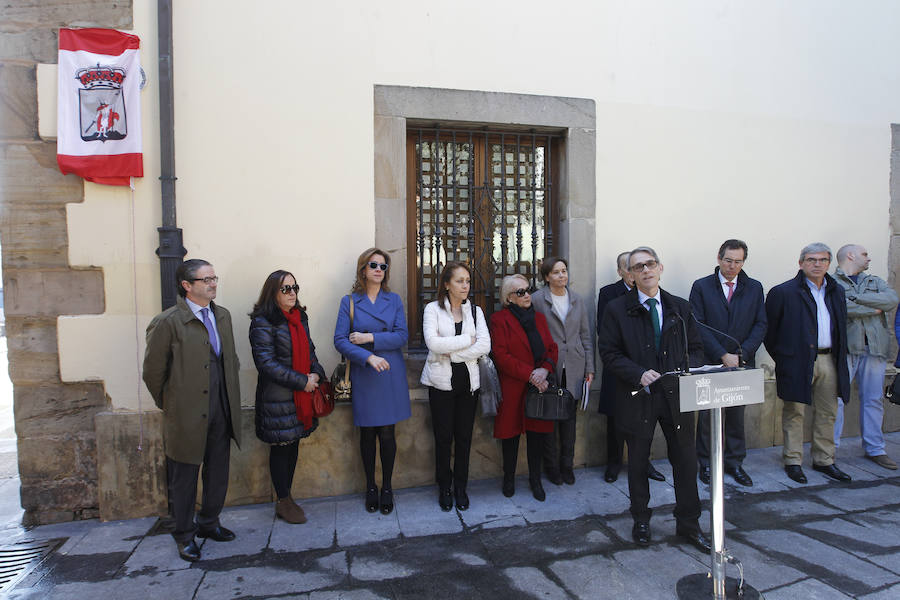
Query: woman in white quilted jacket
x=456, y=336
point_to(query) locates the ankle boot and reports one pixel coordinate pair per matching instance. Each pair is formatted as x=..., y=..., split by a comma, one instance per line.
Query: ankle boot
x=287, y=509
x=509, y=484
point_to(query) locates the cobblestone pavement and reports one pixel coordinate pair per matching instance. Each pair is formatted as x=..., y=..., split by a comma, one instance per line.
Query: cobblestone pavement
x=822, y=540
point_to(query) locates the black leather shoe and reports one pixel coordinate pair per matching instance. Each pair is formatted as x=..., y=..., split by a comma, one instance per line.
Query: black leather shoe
x=537, y=490
x=554, y=477
x=640, y=533
x=190, y=551
x=703, y=474
x=612, y=472
x=655, y=475
x=387, y=502
x=795, y=472
x=509, y=485
x=445, y=500
x=568, y=476
x=372, y=500
x=217, y=534
x=697, y=540
x=462, y=499
x=832, y=471
x=740, y=475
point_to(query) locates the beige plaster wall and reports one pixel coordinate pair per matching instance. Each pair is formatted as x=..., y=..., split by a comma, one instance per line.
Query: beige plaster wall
x=741, y=120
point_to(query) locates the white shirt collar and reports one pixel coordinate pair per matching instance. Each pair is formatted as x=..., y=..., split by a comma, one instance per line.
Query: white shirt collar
x=642, y=297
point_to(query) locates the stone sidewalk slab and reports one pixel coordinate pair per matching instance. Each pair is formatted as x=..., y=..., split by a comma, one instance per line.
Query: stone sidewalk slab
x=317, y=533
x=821, y=540
x=844, y=571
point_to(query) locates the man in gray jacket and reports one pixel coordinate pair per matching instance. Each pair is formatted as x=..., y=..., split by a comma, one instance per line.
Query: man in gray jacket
x=869, y=299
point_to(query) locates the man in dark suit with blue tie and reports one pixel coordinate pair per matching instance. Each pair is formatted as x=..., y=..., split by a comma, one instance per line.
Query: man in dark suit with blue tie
x=730, y=301
x=191, y=370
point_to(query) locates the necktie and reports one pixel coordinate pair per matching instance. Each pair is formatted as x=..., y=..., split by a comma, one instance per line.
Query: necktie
x=654, y=316
x=209, y=329
x=730, y=285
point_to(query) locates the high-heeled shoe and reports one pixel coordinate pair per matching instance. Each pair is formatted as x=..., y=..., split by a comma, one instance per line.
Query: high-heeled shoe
x=372, y=500
x=537, y=490
x=462, y=499
x=445, y=500
x=387, y=502
x=509, y=485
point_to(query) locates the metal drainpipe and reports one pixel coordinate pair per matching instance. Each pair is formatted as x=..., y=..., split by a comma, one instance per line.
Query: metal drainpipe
x=171, y=251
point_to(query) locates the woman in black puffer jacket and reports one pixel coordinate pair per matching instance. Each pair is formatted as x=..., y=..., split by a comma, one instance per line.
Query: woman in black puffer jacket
x=289, y=372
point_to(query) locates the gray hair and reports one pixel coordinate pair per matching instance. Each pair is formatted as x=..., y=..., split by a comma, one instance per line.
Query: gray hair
x=846, y=249
x=622, y=257
x=510, y=285
x=646, y=249
x=815, y=248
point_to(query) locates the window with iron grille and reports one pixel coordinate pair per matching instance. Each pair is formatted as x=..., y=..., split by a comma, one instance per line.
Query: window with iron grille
x=485, y=198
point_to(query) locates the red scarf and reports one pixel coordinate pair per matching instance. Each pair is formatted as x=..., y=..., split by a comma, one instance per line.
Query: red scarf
x=300, y=362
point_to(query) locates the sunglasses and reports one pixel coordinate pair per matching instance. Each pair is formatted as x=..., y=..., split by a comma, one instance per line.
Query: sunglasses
x=522, y=291
x=375, y=265
x=639, y=267
x=287, y=289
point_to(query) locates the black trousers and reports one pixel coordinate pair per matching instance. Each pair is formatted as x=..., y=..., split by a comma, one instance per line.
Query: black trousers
x=536, y=443
x=684, y=468
x=615, y=442
x=560, y=450
x=735, y=445
x=452, y=419
x=282, y=464
x=182, y=477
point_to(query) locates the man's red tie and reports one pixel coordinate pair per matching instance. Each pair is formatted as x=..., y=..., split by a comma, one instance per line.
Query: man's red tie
x=730, y=285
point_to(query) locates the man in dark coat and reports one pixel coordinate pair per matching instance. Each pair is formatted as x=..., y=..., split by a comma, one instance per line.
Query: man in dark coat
x=191, y=369
x=730, y=301
x=807, y=337
x=615, y=443
x=642, y=338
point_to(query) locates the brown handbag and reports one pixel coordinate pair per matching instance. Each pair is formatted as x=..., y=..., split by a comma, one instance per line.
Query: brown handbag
x=323, y=400
x=340, y=379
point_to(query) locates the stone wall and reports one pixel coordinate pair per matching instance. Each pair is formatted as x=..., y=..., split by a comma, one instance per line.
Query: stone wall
x=54, y=420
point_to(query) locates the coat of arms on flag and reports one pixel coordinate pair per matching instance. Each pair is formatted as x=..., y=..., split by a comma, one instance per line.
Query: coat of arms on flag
x=99, y=129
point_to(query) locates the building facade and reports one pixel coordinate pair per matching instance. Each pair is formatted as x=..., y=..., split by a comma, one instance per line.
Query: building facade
x=490, y=132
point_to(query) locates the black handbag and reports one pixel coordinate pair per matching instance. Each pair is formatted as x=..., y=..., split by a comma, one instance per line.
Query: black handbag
x=892, y=392
x=554, y=404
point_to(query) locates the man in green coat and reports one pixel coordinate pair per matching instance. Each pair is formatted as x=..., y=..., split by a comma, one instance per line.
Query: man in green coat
x=191, y=370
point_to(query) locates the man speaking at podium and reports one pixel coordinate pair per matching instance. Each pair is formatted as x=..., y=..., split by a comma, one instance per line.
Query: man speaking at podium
x=642, y=338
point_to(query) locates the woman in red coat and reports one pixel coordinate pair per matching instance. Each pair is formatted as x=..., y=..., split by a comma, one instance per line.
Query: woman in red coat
x=523, y=349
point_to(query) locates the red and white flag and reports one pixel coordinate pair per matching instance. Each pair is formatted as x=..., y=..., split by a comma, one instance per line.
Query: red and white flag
x=99, y=111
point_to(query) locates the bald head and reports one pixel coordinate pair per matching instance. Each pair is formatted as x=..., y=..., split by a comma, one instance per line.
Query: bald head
x=853, y=259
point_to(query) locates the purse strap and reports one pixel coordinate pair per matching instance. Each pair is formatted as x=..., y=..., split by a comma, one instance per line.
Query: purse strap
x=347, y=370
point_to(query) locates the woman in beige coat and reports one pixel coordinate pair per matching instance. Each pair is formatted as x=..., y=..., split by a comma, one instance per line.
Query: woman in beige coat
x=567, y=317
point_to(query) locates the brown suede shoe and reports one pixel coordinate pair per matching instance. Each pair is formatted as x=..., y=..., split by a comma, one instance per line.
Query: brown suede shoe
x=883, y=460
x=288, y=510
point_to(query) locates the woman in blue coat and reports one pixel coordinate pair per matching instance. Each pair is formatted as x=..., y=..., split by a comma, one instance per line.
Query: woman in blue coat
x=373, y=344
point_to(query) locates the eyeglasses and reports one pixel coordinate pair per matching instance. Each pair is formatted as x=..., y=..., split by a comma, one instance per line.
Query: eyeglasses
x=207, y=280
x=639, y=267
x=817, y=261
x=287, y=289
x=732, y=262
x=521, y=292
x=375, y=265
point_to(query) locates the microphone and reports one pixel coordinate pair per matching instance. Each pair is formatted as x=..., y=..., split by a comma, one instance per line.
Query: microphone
x=740, y=351
x=687, y=357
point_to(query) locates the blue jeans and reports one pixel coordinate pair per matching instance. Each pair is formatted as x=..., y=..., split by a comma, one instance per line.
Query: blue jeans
x=869, y=373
